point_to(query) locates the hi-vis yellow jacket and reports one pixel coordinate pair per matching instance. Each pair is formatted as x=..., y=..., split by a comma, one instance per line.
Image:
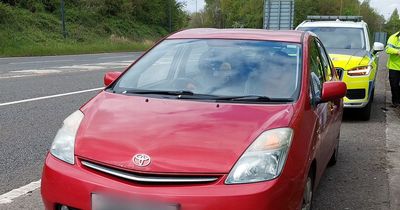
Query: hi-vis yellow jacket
x=393, y=48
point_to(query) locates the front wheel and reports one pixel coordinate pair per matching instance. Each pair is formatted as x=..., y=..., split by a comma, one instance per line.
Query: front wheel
x=335, y=155
x=365, y=113
x=308, y=193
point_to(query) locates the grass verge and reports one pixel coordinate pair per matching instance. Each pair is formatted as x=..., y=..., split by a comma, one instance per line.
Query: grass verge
x=70, y=48
x=25, y=33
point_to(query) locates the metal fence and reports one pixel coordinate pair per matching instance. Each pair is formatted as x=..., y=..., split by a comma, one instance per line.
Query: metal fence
x=278, y=14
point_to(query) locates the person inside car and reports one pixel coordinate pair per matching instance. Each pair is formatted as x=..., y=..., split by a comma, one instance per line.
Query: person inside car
x=222, y=73
x=273, y=74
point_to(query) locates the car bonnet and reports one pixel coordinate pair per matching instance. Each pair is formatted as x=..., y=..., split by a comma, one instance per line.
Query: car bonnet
x=180, y=136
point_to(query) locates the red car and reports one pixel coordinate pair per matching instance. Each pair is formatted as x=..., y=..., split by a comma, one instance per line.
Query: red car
x=207, y=119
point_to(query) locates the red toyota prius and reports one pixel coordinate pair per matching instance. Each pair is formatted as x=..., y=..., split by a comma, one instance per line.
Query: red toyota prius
x=208, y=119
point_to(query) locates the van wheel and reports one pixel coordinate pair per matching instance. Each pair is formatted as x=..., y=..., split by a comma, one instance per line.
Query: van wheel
x=308, y=193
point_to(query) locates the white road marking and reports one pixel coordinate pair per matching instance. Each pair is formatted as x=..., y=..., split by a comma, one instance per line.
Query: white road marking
x=121, y=63
x=28, y=62
x=32, y=75
x=47, y=97
x=82, y=67
x=111, y=57
x=17, y=76
x=15, y=193
x=42, y=71
x=67, y=69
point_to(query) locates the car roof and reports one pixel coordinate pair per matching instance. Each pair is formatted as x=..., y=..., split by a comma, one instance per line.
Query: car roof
x=245, y=34
x=338, y=23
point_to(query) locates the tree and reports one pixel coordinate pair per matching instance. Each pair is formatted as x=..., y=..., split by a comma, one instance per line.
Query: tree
x=112, y=7
x=156, y=12
x=303, y=8
x=233, y=13
x=10, y=2
x=5, y=13
x=197, y=20
x=371, y=17
x=212, y=11
x=393, y=25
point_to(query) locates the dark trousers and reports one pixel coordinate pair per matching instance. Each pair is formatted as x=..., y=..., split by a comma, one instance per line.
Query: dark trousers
x=394, y=78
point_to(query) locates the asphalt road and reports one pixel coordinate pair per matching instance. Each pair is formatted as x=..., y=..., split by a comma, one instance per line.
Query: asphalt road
x=358, y=181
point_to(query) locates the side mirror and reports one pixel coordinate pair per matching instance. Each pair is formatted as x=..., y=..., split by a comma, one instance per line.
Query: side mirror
x=378, y=47
x=109, y=77
x=333, y=90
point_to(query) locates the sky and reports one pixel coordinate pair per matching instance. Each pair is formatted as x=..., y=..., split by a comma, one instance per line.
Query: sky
x=191, y=5
x=384, y=7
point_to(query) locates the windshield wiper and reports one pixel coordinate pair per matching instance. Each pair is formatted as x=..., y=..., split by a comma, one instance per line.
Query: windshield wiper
x=255, y=98
x=160, y=92
x=181, y=94
x=186, y=94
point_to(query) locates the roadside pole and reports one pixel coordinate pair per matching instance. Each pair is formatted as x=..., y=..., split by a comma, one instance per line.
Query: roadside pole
x=170, y=15
x=64, y=32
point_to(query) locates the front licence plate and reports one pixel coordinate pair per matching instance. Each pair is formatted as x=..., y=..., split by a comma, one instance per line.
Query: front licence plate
x=100, y=202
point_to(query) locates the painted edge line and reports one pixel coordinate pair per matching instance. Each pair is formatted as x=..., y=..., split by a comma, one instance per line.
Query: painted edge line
x=32, y=62
x=47, y=97
x=15, y=193
x=47, y=74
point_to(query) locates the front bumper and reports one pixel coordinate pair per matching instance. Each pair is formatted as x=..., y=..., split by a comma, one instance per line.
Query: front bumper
x=73, y=185
x=359, y=91
x=356, y=105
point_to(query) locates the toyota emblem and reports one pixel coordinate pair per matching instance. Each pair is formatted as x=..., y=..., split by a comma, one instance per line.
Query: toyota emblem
x=141, y=160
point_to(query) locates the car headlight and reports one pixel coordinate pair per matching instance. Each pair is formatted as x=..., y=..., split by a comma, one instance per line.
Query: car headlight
x=64, y=142
x=360, y=71
x=264, y=159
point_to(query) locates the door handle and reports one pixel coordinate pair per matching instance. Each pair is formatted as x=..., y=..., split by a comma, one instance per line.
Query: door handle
x=331, y=107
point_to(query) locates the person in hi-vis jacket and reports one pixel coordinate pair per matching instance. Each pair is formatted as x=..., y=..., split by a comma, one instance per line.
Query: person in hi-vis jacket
x=393, y=49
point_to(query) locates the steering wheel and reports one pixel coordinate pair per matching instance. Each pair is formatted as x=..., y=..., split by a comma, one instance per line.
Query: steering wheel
x=184, y=83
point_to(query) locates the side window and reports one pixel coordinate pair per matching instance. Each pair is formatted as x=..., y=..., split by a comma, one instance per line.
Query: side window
x=370, y=36
x=317, y=72
x=325, y=62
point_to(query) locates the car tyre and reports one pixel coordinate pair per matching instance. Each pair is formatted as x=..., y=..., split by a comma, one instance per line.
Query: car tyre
x=308, y=193
x=365, y=113
x=372, y=95
x=335, y=154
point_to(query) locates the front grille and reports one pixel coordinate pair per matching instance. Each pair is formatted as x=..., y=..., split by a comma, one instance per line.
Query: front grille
x=340, y=72
x=146, y=178
x=355, y=94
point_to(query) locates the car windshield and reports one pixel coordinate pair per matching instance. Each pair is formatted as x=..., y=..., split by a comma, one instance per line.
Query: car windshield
x=339, y=38
x=216, y=67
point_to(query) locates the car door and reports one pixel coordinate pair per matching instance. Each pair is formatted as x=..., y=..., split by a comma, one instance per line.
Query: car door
x=321, y=110
x=334, y=115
